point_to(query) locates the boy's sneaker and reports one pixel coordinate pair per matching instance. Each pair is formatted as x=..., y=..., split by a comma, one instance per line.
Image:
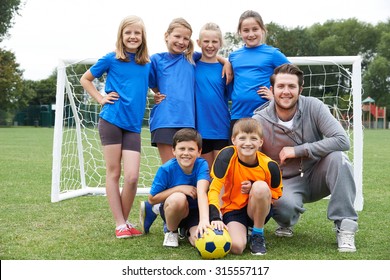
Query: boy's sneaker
x=182, y=233
x=257, y=245
x=123, y=232
x=346, y=235
x=171, y=239
x=133, y=230
x=284, y=232
x=146, y=216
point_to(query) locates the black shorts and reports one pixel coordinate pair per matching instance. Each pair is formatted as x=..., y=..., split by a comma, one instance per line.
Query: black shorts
x=209, y=145
x=111, y=135
x=188, y=222
x=163, y=136
x=241, y=216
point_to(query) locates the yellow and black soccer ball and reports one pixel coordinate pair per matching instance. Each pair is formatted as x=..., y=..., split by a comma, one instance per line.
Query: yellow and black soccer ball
x=214, y=244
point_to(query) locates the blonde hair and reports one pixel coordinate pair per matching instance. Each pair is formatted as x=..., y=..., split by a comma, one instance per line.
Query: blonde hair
x=210, y=26
x=181, y=22
x=256, y=16
x=142, y=53
x=247, y=125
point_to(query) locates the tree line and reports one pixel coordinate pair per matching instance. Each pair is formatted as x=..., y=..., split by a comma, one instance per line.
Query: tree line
x=349, y=37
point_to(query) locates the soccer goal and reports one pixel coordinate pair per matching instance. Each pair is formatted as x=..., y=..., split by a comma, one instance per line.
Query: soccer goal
x=78, y=164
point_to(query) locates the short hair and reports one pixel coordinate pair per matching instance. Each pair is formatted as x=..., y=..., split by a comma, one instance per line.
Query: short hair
x=142, y=53
x=288, y=68
x=211, y=26
x=247, y=125
x=181, y=22
x=258, y=19
x=187, y=134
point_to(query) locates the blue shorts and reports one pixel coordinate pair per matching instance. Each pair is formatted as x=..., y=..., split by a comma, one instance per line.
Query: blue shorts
x=241, y=216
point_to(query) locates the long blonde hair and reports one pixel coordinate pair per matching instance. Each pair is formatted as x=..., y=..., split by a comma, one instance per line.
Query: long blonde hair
x=181, y=22
x=142, y=53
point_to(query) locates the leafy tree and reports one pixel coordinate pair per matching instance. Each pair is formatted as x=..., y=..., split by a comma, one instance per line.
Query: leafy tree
x=11, y=83
x=232, y=42
x=292, y=42
x=45, y=90
x=376, y=81
x=8, y=9
x=383, y=46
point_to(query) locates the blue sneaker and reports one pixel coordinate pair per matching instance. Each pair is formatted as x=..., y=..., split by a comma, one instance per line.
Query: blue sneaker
x=257, y=245
x=146, y=216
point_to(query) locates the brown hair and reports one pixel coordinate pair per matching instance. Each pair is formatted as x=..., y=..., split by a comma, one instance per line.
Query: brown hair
x=258, y=19
x=288, y=68
x=247, y=125
x=187, y=134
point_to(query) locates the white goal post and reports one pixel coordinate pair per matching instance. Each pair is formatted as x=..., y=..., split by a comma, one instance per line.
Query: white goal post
x=78, y=164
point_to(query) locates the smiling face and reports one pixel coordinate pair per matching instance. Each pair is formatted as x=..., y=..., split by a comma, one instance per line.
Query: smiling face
x=186, y=152
x=178, y=40
x=210, y=43
x=286, y=91
x=132, y=37
x=251, y=32
x=247, y=145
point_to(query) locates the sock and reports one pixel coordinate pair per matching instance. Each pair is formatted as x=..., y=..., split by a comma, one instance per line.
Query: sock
x=156, y=208
x=121, y=227
x=259, y=231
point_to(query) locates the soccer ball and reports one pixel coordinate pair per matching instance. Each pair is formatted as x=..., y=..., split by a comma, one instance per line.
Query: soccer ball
x=214, y=244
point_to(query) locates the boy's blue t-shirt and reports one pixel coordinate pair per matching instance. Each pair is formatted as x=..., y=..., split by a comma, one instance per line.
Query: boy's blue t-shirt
x=174, y=76
x=170, y=175
x=211, y=99
x=130, y=81
x=252, y=68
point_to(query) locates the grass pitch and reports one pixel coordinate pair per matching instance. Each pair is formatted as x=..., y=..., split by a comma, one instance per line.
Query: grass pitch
x=33, y=228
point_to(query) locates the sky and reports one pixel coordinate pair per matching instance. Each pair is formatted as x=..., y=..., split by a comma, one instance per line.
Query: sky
x=50, y=30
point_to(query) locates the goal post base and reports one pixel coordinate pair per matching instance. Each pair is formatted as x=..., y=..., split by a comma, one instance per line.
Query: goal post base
x=91, y=191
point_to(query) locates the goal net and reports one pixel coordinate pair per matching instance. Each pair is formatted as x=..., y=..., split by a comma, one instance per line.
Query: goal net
x=78, y=163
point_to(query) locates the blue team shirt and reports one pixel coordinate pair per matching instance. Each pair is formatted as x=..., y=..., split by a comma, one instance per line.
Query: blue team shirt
x=211, y=100
x=174, y=76
x=252, y=68
x=170, y=175
x=130, y=81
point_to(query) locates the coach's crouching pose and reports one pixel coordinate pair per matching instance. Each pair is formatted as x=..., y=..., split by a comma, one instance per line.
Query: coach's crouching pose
x=308, y=142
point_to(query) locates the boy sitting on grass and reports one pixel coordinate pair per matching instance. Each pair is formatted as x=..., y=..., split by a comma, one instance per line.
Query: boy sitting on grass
x=177, y=185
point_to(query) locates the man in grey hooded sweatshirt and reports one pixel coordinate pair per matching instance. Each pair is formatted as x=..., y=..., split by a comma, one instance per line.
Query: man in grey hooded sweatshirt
x=301, y=135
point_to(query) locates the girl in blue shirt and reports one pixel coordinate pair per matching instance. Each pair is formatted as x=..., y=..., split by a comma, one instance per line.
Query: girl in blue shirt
x=172, y=79
x=172, y=76
x=253, y=65
x=120, y=122
x=211, y=94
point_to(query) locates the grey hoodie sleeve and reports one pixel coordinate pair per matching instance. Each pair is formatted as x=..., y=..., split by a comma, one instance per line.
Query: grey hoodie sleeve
x=322, y=133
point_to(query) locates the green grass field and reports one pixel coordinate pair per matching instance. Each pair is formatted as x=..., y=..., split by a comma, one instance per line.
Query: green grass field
x=33, y=228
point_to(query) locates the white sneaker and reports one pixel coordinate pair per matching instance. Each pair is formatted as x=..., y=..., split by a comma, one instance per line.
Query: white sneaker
x=171, y=239
x=346, y=235
x=284, y=232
